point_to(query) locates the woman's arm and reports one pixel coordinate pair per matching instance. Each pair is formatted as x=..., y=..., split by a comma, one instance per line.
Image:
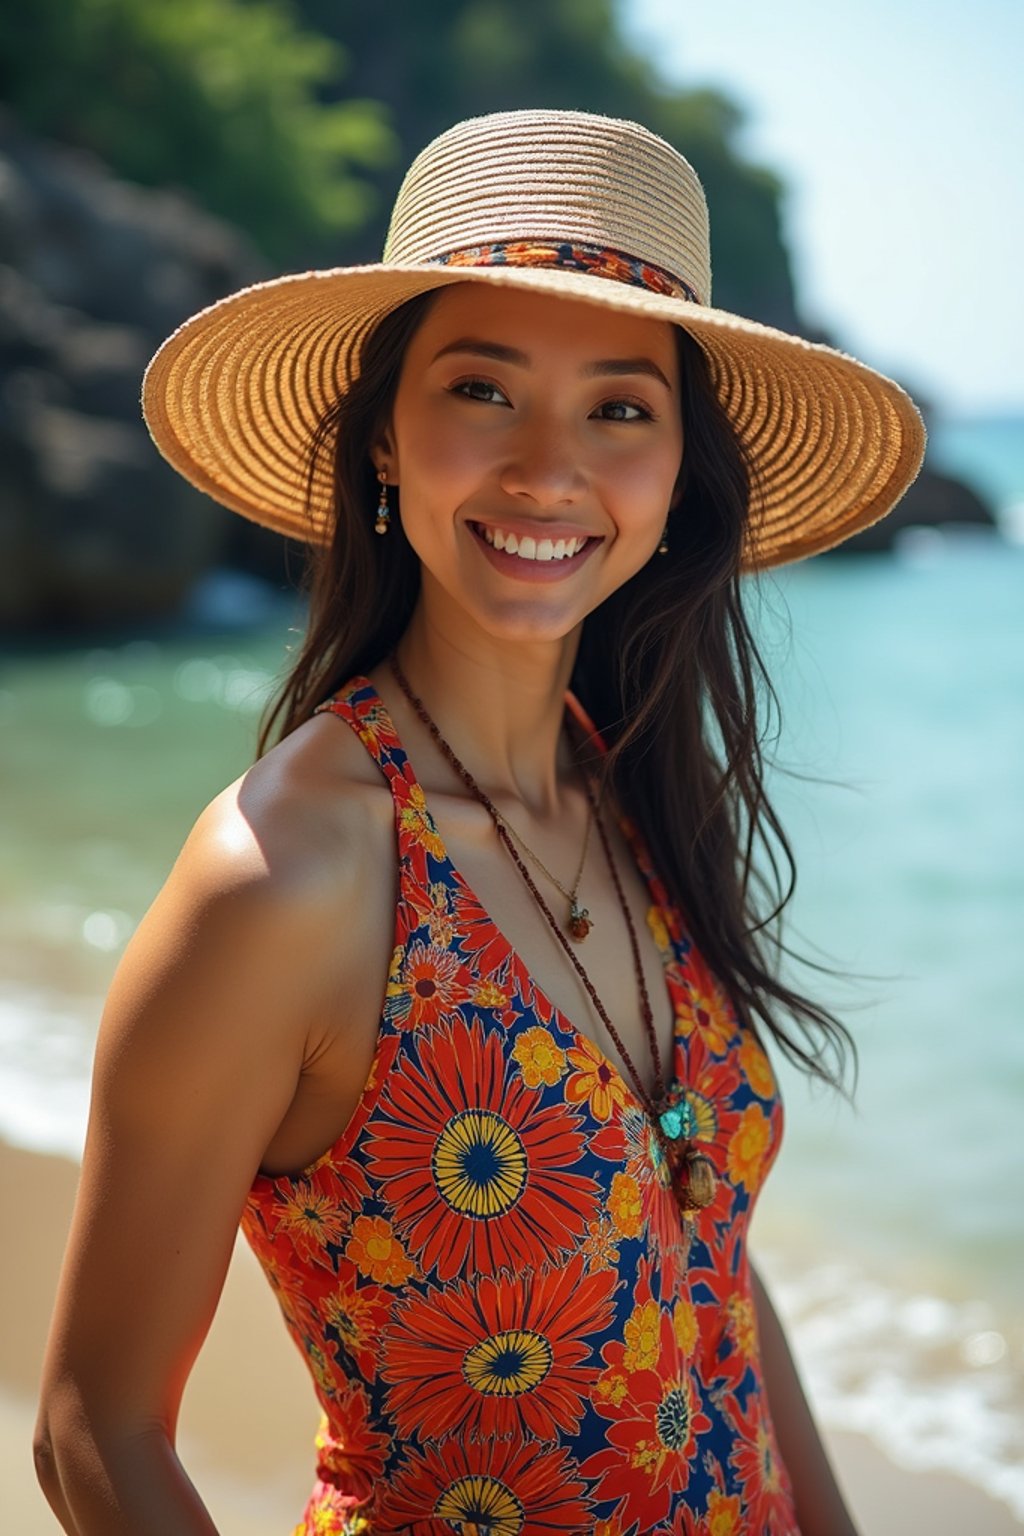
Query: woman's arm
x=820, y=1509
x=200, y=1050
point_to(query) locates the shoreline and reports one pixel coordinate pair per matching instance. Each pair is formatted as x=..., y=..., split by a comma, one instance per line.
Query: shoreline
x=242, y=1402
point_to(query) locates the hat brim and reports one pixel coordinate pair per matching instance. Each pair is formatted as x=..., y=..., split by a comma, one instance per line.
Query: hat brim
x=233, y=397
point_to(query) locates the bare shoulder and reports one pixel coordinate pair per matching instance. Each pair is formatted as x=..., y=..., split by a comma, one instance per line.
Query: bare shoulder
x=271, y=926
x=295, y=832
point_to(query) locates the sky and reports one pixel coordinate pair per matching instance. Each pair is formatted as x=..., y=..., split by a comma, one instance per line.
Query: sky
x=898, y=127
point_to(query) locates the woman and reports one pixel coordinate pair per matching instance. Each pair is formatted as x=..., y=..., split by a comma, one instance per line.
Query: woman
x=458, y=997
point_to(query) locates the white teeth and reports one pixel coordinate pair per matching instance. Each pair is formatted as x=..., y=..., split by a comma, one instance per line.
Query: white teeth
x=528, y=548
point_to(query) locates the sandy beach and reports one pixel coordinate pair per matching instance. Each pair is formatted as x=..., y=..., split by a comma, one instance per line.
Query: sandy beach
x=249, y=1415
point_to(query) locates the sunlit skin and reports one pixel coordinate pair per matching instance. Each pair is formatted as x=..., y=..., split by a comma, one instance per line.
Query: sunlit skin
x=540, y=416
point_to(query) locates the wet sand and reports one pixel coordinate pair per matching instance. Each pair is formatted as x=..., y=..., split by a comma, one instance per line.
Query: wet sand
x=249, y=1414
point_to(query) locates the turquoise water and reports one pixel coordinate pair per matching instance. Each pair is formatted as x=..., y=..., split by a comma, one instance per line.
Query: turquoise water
x=988, y=451
x=892, y=1233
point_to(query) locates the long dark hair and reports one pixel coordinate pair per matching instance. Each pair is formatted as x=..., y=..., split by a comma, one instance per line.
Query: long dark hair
x=668, y=668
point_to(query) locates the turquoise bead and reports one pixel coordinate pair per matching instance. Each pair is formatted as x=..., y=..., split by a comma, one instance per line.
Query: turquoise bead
x=672, y=1122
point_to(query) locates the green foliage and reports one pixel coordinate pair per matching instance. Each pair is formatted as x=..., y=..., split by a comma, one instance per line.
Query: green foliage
x=296, y=118
x=215, y=96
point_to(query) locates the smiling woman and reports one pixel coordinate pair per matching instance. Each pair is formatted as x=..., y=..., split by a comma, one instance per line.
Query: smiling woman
x=499, y=1173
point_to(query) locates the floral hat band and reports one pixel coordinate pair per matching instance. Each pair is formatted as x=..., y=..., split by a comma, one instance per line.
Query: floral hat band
x=594, y=260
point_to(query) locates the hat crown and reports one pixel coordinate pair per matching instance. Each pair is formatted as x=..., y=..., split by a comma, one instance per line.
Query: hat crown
x=553, y=175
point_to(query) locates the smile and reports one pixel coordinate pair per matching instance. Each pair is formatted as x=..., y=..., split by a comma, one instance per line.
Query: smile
x=527, y=548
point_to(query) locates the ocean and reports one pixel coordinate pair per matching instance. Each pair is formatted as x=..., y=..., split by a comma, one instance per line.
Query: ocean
x=891, y=1231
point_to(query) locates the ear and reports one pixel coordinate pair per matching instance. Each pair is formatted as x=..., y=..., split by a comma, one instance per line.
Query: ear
x=384, y=454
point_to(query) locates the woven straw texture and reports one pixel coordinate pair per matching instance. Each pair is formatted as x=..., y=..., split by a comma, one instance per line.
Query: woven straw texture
x=233, y=397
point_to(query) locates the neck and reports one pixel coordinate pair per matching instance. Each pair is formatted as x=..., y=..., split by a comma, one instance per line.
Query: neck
x=500, y=705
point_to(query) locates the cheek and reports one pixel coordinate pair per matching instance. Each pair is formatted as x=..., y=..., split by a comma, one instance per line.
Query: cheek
x=435, y=445
x=645, y=479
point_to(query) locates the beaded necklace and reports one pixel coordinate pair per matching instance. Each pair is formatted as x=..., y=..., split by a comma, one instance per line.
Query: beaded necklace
x=670, y=1112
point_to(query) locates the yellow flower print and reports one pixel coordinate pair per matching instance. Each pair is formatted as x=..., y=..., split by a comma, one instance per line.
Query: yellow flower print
x=723, y=1514
x=594, y=1079
x=416, y=822
x=756, y=1068
x=624, y=1205
x=375, y=1251
x=684, y=1326
x=659, y=931
x=612, y=1387
x=748, y=1147
x=489, y=995
x=541, y=1060
x=742, y=1324
x=642, y=1337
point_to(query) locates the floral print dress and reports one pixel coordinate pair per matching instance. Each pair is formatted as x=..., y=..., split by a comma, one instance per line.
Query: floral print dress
x=509, y=1328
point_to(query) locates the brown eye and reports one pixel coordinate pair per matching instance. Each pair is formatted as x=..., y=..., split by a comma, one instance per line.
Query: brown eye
x=624, y=410
x=479, y=389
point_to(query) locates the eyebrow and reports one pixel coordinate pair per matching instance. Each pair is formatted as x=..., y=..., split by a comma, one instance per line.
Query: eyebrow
x=603, y=368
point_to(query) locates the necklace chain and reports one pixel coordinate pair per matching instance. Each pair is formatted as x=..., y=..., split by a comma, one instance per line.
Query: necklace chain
x=579, y=917
x=699, y=1181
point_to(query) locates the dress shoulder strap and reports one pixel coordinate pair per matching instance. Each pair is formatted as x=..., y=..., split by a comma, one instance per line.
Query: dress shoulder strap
x=361, y=706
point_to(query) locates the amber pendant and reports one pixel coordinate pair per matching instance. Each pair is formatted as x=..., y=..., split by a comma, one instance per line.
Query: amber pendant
x=579, y=922
x=700, y=1181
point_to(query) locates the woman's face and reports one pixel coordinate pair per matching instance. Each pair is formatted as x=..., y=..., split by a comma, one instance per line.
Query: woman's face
x=530, y=421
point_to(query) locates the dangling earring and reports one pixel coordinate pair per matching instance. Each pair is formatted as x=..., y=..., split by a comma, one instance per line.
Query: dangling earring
x=383, y=510
x=663, y=546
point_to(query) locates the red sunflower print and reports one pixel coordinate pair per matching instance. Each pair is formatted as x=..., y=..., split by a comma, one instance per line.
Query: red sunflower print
x=429, y=986
x=501, y=1487
x=498, y=1357
x=351, y=1454
x=648, y=1396
x=767, y=1492
x=476, y=1169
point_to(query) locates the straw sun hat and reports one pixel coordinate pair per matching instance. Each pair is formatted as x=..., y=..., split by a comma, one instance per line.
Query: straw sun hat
x=568, y=203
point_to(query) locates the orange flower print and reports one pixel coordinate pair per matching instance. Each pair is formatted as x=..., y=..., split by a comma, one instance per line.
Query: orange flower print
x=626, y=1205
x=706, y=1010
x=594, y=1081
x=541, y=1060
x=723, y=1514
x=756, y=1067
x=601, y=1246
x=749, y=1147
x=429, y=987
x=642, y=1337
x=375, y=1251
x=312, y=1219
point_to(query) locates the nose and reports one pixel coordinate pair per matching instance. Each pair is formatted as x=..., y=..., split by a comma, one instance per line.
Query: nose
x=543, y=466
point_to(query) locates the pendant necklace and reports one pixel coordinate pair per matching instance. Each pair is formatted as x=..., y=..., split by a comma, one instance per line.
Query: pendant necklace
x=670, y=1112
